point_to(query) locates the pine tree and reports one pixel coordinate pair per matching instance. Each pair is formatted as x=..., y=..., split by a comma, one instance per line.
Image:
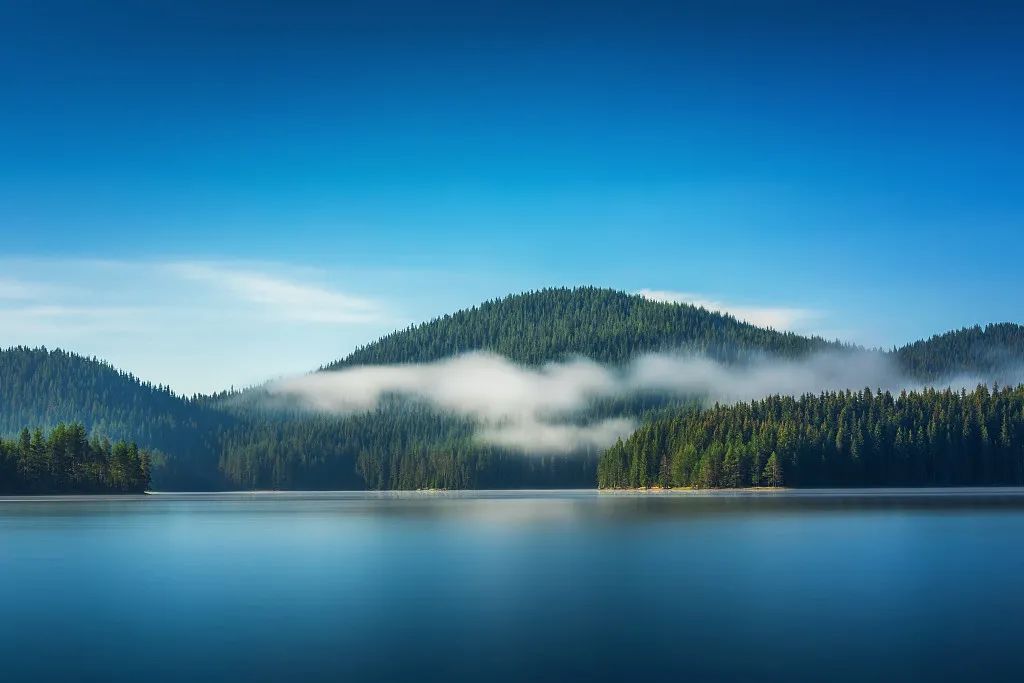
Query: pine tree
x=731, y=470
x=772, y=475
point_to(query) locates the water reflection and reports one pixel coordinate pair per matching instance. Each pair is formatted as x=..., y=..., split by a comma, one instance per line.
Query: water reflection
x=514, y=586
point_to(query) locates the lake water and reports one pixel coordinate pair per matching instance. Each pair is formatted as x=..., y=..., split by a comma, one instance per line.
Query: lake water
x=523, y=586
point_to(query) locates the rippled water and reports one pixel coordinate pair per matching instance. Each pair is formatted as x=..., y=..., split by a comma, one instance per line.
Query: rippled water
x=805, y=586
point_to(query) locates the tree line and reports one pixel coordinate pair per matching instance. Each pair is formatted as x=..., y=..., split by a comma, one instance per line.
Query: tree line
x=67, y=460
x=866, y=438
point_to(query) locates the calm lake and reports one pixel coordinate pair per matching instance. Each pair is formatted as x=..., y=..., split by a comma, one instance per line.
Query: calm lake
x=516, y=586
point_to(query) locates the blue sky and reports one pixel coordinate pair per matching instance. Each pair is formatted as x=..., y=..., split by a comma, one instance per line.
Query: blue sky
x=214, y=196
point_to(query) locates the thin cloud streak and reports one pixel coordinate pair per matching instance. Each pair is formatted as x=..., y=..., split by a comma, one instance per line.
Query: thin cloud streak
x=16, y=289
x=65, y=320
x=288, y=299
x=229, y=323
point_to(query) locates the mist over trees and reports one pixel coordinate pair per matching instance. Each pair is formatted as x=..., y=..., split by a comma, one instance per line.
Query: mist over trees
x=234, y=440
x=410, y=446
x=398, y=446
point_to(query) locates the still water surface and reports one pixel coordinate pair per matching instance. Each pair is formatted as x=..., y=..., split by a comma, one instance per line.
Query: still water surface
x=520, y=586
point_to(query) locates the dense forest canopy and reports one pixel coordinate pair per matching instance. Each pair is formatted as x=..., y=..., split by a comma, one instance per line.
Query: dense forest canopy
x=67, y=461
x=234, y=440
x=866, y=438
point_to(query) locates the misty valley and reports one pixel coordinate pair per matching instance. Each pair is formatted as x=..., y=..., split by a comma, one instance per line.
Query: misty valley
x=557, y=388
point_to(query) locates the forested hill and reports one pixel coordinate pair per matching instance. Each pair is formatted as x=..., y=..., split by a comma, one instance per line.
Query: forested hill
x=399, y=448
x=44, y=388
x=602, y=324
x=994, y=353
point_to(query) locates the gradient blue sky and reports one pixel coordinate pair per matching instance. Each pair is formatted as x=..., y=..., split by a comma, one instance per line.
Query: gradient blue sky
x=213, y=196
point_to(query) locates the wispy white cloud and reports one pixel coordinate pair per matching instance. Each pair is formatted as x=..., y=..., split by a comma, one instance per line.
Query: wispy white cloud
x=196, y=325
x=516, y=407
x=536, y=410
x=286, y=298
x=539, y=436
x=58, y=321
x=31, y=308
x=17, y=290
x=776, y=317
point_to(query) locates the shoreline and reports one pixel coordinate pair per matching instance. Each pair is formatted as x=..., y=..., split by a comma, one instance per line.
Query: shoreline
x=694, y=489
x=765, y=492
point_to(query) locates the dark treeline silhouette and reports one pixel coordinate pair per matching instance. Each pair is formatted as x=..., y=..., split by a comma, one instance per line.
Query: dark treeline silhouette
x=67, y=460
x=927, y=438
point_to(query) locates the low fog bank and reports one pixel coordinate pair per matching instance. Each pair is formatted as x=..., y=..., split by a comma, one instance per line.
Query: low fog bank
x=537, y=409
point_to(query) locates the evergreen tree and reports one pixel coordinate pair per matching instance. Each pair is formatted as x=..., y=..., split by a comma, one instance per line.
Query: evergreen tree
x=772, y=475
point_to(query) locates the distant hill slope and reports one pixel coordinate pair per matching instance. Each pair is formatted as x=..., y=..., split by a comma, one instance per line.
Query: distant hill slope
x=994, y=352
x=602, y=324
x=43, y=388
